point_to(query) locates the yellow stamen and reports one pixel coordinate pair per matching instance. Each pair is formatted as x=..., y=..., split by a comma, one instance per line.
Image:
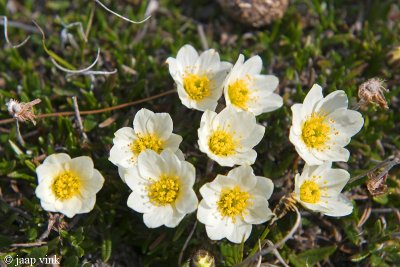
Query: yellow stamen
x=66, y=185
x=149, y=141
x=164, y=191
x=239, y=93
x=196, y=86
x=234, y=202
x=310, y=192
x=221, y=143
x=315, y=131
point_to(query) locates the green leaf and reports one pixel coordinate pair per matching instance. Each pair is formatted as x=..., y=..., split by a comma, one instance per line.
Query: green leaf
x=39, y=252
x=106, y=248
x=232, y=254
x=312, y=256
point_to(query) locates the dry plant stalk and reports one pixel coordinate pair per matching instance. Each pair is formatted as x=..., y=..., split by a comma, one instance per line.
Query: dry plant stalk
x=372, y=91
x=376, y=184
x=22, y=111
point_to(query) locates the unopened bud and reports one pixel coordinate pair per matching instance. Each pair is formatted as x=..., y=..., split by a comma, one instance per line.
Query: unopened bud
x=202, y=258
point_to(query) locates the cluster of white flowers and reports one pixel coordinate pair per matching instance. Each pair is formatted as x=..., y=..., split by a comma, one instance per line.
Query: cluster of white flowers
x=150, y=162
x=321, y=128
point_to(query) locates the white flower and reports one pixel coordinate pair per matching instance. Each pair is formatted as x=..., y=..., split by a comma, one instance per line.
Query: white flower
x=246, y=89
x=322, y=127
x=68, y=185
x=232, y=204
x=229, y=137
x=150, y=131
x=318, y=188
x=199, y=78
x=162, y=188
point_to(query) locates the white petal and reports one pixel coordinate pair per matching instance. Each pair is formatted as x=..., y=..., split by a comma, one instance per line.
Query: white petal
x=296, y=118
x=244, y=176
x=160, y=124
x=139, y=202
x=254, y=137
x=59, y=158
x=259, y=212
x=175, y=69
x=71, y=206
x=187, y=56
x=175, y=219
x=334, y=180
x=266, y=104
x=48, y=171
x=333, y=153
x=252, y=66
x=150, y=164
x=266, y=83
x=305, y=153
x=121, y=156
x=347, y=122
x=187, y=201
x=82, y=167
x=207, y=215
x=207, y=61
x=141, y=120
x=88, y=204
x=124, y=136
x=211, y=191
x=93, y=185
x=339, y=207
x=311, y=99
x=333, y=101
x=220, y=230
x=264, y=187
x=173, y=142
x=240, y=233
x=206, y=104
x=157, y=216
x=187, y=174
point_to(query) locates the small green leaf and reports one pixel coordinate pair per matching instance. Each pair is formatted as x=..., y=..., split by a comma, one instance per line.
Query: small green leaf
x=106, y=248
x=312, y=256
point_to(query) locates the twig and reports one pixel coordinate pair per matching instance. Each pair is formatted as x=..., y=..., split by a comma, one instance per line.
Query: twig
x=81, y=71
x=280, y=243
x=20, y=25
x=28, y=245
x=120, y=16
x=203, y=39
x=96, y=111
x=19, y=136
x=52, y=220
x=5, y=20
x=390, y=162
x=186, y=244
x=277, y=254
x=79, y=119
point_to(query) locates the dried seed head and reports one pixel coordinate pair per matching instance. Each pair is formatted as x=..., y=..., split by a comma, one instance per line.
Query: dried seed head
x=376, y=184
x=202, y=258
x=22, y=111
x=372, y=91
x=256, y=13
x=394, y=56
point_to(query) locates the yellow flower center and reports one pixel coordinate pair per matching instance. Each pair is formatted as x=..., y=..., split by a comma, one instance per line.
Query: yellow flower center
x=221, y=143
x=149, y=141
x=239, y=93
x=233, y=202
x=164, y=191
x=196, y=86
x=310, y=192
x=315, y=131
x=66, y=185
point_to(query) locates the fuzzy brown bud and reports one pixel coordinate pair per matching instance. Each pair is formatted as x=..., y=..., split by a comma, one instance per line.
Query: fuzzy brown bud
x=22, y=111
x=372, y=91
